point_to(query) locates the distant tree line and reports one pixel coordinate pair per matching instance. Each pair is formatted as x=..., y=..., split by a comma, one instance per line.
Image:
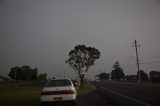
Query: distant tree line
x=154, y=76
x=103, y=76
x=134, y=78
x=118, y=74
x=26, y=73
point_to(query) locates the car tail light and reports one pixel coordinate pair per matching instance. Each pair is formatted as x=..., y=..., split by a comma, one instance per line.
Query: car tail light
x=57, y=92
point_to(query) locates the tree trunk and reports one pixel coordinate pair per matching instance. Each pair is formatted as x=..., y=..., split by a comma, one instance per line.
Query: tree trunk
x=82, y=81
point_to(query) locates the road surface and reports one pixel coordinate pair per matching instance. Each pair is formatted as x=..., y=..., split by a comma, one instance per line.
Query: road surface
x=92, y=99
x=131, y=94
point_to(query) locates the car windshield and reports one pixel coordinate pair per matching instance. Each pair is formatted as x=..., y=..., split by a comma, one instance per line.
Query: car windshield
x=55, y=83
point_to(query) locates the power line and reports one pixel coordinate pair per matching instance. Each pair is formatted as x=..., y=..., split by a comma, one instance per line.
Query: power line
x=153, y=41
x=151, y=62
x=151, y=58
x=149, y=38
x=152, y=37
x=129, y=65
x=145, y=37
x=142, y=63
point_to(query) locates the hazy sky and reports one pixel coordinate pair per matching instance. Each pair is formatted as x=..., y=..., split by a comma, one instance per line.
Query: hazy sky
x=40, y=33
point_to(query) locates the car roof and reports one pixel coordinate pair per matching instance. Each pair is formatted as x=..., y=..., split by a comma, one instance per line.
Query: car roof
x=61, y=79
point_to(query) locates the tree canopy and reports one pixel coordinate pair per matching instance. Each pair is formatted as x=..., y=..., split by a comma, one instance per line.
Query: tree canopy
x=81, y=58
x=143, y=75
x=23, y=73
x=154, y=76
x=103, y=76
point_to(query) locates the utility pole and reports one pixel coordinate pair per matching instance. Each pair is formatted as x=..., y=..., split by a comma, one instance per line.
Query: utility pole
x=136, y=45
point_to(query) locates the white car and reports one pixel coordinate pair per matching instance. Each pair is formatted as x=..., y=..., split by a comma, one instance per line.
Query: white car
x=59, y=90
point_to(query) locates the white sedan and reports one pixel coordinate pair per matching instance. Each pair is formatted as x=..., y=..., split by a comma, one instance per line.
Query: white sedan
x=59, y=90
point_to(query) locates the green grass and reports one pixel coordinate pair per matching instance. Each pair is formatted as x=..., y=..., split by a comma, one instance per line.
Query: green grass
x=27, y=93
x=88, y=88
x=14, y=95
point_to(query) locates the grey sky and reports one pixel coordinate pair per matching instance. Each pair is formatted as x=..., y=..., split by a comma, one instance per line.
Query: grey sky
x=40, y=33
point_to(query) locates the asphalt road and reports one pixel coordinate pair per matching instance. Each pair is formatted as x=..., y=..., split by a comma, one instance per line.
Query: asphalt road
x=92, y=99
x=132, y=94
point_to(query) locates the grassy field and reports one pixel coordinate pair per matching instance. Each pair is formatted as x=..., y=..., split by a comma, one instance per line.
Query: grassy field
x=88, y=88
x=27, y=94
x=20, y=95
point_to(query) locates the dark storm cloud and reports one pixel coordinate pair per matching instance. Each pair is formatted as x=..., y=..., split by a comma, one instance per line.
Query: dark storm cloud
x=41, y=33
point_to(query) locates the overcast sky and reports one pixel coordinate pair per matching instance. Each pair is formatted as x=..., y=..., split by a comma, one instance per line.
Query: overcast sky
x=40, y=33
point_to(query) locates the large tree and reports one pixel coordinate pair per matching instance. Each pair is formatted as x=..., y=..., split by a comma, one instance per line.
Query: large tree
x=81, y=58
x=117, y=72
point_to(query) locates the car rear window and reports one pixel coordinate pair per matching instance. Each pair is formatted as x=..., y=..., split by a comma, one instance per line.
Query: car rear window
x=55, y=83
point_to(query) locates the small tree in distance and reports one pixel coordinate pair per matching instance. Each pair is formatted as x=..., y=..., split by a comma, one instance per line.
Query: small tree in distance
x=144, y=76
x=81, y=58
x=117, y=72
x=103, y=76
